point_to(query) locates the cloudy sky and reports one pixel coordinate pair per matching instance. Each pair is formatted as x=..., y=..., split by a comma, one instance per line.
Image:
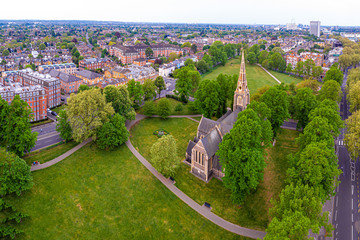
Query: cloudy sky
x=329, y=12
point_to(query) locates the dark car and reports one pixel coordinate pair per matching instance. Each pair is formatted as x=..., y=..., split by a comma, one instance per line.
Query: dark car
x=53, y=113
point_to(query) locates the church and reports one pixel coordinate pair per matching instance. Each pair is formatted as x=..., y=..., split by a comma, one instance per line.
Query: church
x=200, y=153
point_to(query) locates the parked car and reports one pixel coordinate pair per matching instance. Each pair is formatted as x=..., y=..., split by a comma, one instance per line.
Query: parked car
x=53, y=113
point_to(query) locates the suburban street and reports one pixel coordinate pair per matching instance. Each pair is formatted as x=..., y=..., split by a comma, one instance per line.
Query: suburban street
x=347, y=202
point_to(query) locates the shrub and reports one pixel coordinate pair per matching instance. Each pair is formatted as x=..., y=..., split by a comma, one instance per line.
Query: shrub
x=179, y=107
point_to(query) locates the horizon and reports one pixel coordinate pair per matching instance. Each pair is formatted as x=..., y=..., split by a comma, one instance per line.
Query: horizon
x=190, y=12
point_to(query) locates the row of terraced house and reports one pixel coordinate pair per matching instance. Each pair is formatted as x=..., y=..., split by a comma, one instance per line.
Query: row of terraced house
x=129, y=54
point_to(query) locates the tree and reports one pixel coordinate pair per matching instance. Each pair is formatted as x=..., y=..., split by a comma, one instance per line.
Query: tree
x=317, y=167
x=207, y=97
x=149, y=89
x=164, y=108
x=87, y=112
x=187, y=80
x=120, y=101
x=303, y=102
x=330, y=90
x=113, y=133
x=136, y=92
x=15, y=174
x=194, y=48
x=263, y=56
x=83, y=87
x=317, y=71
x=63, y=126
x=42, y=46
x=188, y=62
x=328, y=110
x=202, y=66
x=354, y=97
x=149, y=108
x=4, y=112
x=149, y=52
x=309, y=83
x=208, y=60
x=352, y=135
x=160, y=84
x=334, y=73
x=6, y=53
x=318, y=130
x=297, y=211
x=289, y=68
x=276, y=99
x=345, y=60
x=251, y=58
x=186, y=44
x=309, y=64
x=173, y=56
x=299, y=69
x=164, y=156
x=17, y=136
x=277, y=62
x=241, y=155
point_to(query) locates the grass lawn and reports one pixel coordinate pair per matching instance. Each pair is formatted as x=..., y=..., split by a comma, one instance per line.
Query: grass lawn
x=96, y=194
x=59, y=108
x=254, y=213
x=173, y=103
x=256, y=77
x=286, y=78
x=47, y=154
x=197, y=118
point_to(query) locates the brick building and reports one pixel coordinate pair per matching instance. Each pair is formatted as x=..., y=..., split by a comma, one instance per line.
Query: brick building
x=69, y=83
x=127, y=54
x=92, y=63
x=52, y=86
x=89, y=78
x=69, y=68
x=34, y=95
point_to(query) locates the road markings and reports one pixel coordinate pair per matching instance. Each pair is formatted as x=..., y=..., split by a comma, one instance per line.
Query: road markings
x=337, y=200
x=352, y=189
x=352, y=204
x=335, y=215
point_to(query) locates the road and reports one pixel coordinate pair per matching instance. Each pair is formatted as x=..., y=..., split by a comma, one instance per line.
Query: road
x=346, y=207
x=47, y=135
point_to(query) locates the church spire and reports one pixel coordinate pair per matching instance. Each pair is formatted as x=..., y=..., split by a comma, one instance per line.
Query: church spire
x=242, y=94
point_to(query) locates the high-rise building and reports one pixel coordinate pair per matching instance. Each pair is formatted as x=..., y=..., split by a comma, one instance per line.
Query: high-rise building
x=315, y=28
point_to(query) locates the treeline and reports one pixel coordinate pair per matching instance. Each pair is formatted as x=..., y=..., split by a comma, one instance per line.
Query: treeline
x=218, y=54
x=351, y=54
x=352, y=135
x=16, y=138
x=313, y=172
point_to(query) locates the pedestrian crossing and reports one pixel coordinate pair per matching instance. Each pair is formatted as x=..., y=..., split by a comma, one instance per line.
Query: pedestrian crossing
x=341, y=143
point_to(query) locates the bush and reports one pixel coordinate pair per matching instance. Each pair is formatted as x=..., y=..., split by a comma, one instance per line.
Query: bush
x=179, y=107
x=149, y=108
x=192, y=107
x=176, y=98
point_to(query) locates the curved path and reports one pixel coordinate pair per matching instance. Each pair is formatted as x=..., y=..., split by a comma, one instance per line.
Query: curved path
x=204, y=211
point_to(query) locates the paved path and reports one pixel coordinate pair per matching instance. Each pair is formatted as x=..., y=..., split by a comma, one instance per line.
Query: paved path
x=61, y=157
x=204, y=211
x=269, y=73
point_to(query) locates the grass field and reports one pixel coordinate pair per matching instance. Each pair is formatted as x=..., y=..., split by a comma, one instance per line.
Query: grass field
x=256, y=77
x=49, y=153
x=286, y=78
x=97, y=194
x=173, y=103
x=254, y=213
x=59, y=108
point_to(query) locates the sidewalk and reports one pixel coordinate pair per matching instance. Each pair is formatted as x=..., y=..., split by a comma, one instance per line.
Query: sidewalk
x=269, y=73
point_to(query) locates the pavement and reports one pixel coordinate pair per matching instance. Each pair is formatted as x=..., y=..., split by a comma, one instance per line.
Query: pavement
x=269, y=73
x=61, y=157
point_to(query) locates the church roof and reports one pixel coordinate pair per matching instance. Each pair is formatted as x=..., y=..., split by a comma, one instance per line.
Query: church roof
x=190, y=147
x=211, y=142
x=206, y=125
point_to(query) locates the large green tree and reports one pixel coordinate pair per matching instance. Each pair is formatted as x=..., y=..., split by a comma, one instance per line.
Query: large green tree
x=113, y=133
x=277, y=100
x=18, y=137
x=164, y=108
x=87, y=112
x=241, y=155
x=187, y=80
x=303, y=102
x=352, y=135
x=63, y=126
x=136, y=92
x=330, y=90
x=160, y=84
x=164, y=156
x=120, y=101
x=334, y=73
x=149, y=89
x=207, y=97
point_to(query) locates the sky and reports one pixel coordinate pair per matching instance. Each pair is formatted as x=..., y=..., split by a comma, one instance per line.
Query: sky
x=329, y=12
